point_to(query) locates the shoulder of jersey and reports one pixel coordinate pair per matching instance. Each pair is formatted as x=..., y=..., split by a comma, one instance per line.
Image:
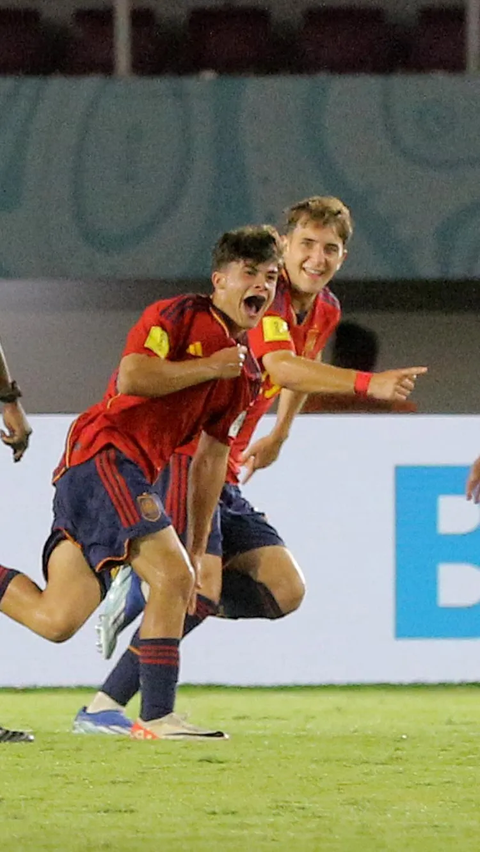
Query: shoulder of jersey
x=329, y=298
x=178, y=306
x=282, y=296
x=185, y=302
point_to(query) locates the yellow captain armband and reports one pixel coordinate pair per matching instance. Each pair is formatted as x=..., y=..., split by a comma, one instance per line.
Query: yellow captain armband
x=158, y=341
x=275, y=328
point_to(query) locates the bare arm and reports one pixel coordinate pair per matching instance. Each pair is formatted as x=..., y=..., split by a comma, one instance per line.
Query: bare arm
x=17, y=428
x=299, y=374
x=142, y=375
x=207, y=476
x=265, y=451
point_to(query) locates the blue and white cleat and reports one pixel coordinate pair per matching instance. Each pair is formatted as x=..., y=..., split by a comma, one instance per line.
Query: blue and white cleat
x=123, y=603
x=104, y=722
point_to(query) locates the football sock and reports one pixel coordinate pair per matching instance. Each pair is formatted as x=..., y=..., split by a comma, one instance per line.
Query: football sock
x=205, y=607
x=159, y=664
x=6, y=577
x=243, y=597
x=123, y=682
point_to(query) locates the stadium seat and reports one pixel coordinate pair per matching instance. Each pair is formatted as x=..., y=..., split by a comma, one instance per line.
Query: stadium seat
x=344, y=39
x=229, y=40
x=91, y=47
x=23, y=46
x=438, y=40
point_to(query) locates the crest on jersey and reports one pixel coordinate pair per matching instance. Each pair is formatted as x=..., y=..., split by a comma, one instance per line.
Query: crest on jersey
x=150, y=506
x=275, y=328
x=158, y=341
x=237, y=425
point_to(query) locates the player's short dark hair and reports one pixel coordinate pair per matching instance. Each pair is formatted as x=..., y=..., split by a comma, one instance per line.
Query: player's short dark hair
x=260, y=243
x=324, y=209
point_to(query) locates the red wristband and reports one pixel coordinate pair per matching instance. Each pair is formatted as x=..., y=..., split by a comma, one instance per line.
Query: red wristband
x=362, y=382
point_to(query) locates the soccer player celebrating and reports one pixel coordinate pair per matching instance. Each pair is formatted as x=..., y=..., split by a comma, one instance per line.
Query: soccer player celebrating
x=261, y=578
x=16, y=435
x=186, y=370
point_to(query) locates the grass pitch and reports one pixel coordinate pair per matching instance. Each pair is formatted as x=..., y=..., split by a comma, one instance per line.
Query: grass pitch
x=328, y=769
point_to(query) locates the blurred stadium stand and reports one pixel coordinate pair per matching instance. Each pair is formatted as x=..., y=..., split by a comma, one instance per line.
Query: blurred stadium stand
x=228, y=40
x=437, y=41
x=234, y=39
x=90, y=45
x=344, y=39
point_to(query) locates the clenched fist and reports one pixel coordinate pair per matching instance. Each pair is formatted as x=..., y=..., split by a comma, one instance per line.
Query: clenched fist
x=228, y=363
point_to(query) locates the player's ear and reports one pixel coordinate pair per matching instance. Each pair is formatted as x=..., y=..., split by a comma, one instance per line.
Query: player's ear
x=342, y=259
x=218, y=279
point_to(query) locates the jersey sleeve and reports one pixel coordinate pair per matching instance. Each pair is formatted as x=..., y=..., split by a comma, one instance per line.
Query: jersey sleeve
x=157, y=331
x=272, y=333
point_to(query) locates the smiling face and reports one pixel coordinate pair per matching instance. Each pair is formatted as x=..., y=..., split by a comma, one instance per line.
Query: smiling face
x=313, y=253
x=244, y=290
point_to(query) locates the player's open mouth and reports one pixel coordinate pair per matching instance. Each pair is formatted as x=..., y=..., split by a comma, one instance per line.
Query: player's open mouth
x=254, y=304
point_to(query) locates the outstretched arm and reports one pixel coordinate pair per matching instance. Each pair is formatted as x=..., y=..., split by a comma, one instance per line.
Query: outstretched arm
x=17, y=428
x=299, y=374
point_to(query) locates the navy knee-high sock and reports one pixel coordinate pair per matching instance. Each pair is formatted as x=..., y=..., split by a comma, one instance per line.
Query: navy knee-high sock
x=123, y=682
x=159, y=665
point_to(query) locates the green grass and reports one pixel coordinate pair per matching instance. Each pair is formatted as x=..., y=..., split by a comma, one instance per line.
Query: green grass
x=376, y=769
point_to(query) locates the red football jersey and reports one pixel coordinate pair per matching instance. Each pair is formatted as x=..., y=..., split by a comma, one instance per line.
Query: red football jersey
x=279, y=329
x=148, y=429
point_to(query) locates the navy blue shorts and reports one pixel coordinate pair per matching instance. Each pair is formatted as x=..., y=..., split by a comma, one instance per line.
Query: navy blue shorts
x=103, y=505
x=244, y=528
x=173, y=484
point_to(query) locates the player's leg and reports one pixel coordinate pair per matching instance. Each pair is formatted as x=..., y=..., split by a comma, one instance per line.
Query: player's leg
x=71, y=595
x=162, y=562
x=105, y=714
x=262, y=583
x=261, y=578
x=125, y=600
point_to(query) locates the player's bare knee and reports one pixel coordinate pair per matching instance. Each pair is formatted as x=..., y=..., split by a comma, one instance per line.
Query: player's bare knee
x=174, y=579
x=58, y=630
x=293, y=594
x=288, y=588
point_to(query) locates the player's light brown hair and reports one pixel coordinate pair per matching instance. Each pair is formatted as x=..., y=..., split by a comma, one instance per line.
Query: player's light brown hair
x=324, y=209
x=259, y=243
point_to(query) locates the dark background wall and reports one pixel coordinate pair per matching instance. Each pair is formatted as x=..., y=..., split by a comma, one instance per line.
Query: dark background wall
x=64, y=338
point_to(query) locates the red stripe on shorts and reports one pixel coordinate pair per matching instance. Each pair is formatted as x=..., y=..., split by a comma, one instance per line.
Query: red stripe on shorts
x=123, y=508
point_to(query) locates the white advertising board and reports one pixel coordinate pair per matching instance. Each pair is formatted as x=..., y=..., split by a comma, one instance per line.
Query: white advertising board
x=372, y=507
